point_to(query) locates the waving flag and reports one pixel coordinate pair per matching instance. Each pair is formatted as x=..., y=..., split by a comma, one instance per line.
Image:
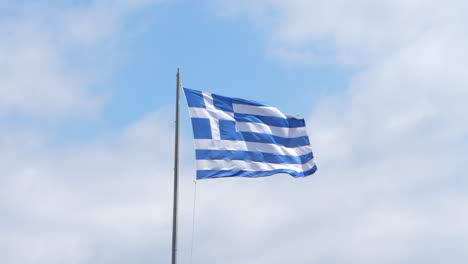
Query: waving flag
x=238, y=137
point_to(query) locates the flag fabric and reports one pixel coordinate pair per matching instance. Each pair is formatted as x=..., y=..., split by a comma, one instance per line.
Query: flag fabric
x=238, y=137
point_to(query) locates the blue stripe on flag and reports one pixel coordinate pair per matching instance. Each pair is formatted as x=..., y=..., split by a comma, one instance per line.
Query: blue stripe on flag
x=222, y=103
x=201, y=128
x=270, y=120
x=194, y=98
x=225, y=103
x=210, y=174
x=204, y=154
x=247, y=102
x=281, y=141
x=228, y=132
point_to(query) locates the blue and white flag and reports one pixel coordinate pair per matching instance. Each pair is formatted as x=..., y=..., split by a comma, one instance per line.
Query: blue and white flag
x=237, y=137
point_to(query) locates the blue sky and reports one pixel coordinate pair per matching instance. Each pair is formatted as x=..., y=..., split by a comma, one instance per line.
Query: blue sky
x=215, y=54
x=87, y=93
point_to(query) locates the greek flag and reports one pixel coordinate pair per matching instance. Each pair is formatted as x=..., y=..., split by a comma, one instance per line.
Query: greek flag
x=237, y=137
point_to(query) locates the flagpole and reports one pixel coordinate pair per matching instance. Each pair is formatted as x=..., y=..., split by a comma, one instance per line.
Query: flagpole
x=176, y=173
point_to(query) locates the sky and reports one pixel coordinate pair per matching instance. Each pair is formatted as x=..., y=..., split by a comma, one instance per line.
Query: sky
x=87, y=99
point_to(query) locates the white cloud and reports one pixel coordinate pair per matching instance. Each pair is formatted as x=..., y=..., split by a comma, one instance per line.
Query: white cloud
x=83, y=204
x=35, y=79
x=348, y=32
x=390, y=186
x=77, y=203
x=50, y=54
x=391, y=148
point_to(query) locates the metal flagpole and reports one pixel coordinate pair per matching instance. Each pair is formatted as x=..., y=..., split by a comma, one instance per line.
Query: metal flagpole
x=176, y=174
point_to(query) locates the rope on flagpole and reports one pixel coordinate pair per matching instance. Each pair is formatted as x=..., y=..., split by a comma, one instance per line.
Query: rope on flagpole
x=194, y=212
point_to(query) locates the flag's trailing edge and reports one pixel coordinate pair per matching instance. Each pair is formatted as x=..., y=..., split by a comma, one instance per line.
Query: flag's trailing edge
x=238, y=137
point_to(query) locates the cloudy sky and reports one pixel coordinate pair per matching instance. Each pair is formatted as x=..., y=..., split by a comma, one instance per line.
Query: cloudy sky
x=87, y=121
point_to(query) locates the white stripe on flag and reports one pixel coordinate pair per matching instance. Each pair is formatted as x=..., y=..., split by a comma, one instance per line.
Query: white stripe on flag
x=250, y=165
x=214, y=122
x=286, y=132
x=257, y=110
x=198, y=112
x=208, y=98
x=251, y=146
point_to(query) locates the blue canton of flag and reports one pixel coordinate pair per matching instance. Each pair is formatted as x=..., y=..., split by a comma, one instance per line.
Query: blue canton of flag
x=237, y=137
